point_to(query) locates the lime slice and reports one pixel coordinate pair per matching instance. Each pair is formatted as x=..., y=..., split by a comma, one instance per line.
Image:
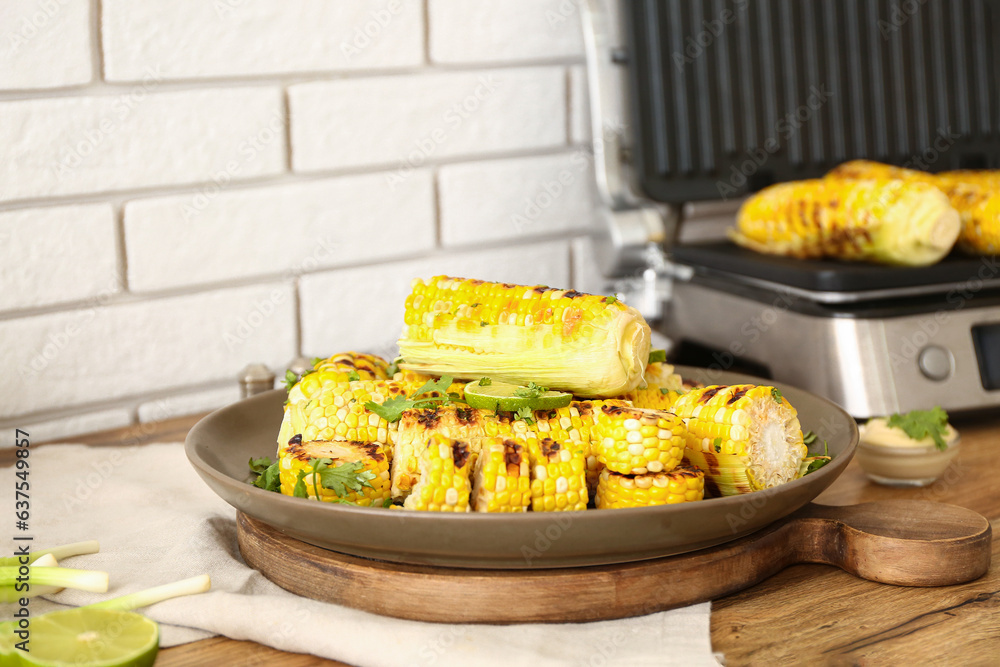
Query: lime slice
x=503, y=396
x=91, y=638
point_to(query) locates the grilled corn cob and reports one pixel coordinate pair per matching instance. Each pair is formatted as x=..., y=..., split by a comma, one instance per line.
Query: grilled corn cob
x=974, y=194
x=680, y=485
x=416, y=426
x=444, y=476
x=662, y=387
x=298, y=457
x=502, y=481
x=744, y=437
x=591, y=345
x=633, y=441
x=366, y=366
x=336, y=411
x=558, y=479
x=892, y=222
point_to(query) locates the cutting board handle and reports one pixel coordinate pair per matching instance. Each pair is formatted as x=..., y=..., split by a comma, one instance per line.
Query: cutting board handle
x=902, y=542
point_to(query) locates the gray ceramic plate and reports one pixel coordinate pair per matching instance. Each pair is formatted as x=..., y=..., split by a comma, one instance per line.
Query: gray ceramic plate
x=220, y=445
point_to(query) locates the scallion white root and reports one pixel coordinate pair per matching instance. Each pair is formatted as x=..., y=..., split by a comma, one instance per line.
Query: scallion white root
x=192, y=586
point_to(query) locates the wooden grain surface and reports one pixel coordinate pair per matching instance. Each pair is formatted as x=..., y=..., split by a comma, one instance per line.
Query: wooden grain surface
x=806, y=614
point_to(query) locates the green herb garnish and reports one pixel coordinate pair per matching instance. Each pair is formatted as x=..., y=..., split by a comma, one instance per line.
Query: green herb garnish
x=353, y=376
x=610, y=299
x=525, y=414
x=267, y=474
x=657, y=356
x=717, y=443
x=483, y=323
x=393, y=408
x=316, y=361
x=920, y=424
x=531, y=391
x=394, y=367
x=485, y=382
x=808, y=438
x=290, y=379
x=776, y=393
x=814, y=463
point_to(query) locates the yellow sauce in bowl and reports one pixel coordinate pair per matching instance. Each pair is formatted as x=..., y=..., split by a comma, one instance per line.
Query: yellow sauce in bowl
x=889, y=456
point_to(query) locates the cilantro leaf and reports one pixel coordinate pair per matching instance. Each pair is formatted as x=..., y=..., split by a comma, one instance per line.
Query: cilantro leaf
x=316, y=361
x=342, y=478
x=394, y=367
x=526, y=414
x=808, y=438
x=290, y=379
x=300, y=486
x=610, y=299
x=485, y=382
x=353, y=376
x=393, y=408
x=657, y=356
x=920, y=424
x=531, y=391
x=268, y=474
x=717, y=443
x=387, y=503
x=817, y=463
x=776, y=393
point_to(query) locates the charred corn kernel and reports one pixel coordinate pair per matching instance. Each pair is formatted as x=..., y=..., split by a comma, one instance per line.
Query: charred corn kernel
x=367, y=366
x=336, y=411
x=590, y=345
x=415, y=426
x=681, y=485
x=633, y=441
x=297, y=458
x=444, y=476
x=892, y=222
x=502, y=481
x=974, y=194
x=558, y=475
x=744, y=437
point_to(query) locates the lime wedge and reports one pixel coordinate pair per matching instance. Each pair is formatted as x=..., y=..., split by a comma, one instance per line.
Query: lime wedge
x=512, y=397
x=91, y=638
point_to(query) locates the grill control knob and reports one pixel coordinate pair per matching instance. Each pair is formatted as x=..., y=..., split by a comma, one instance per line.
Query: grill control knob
x=936, y=363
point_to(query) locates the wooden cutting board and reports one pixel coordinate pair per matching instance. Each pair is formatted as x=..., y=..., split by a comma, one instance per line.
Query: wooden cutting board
x=901, y=542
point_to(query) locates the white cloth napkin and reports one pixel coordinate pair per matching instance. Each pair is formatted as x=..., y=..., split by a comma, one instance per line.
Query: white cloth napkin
x=157, y=522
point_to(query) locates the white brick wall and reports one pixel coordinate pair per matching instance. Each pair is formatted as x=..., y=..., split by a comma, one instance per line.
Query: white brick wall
x=189, y=186
x=189, y=39
x=289, y=229
x=407, y=121
x=138, y=138
x=44, y=43
x=59, y=254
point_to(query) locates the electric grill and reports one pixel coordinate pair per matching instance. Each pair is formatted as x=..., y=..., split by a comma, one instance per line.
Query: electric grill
x=727, y=97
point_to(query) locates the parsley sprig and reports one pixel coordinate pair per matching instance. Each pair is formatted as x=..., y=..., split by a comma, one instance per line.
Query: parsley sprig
x=267, y=474
x=920, y=424
x=340, y=479
x=531, y=391
x=393, y=408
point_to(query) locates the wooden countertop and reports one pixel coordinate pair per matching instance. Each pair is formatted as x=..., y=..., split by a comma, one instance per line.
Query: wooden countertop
x=805, y=614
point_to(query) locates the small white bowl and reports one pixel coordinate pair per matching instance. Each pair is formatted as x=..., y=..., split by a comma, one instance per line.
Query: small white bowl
x=913, y=464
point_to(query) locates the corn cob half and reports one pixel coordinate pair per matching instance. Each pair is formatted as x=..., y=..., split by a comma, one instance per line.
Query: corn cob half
x=892, y=222
x=336, y=411
x=502, y=481
x=590, y=345
x=444, y=476
x=680, y=485
x=745, y=437
x=295, y=463
x=559, y=475
x=632, y=441
x=974, y=194
x=416, y=426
